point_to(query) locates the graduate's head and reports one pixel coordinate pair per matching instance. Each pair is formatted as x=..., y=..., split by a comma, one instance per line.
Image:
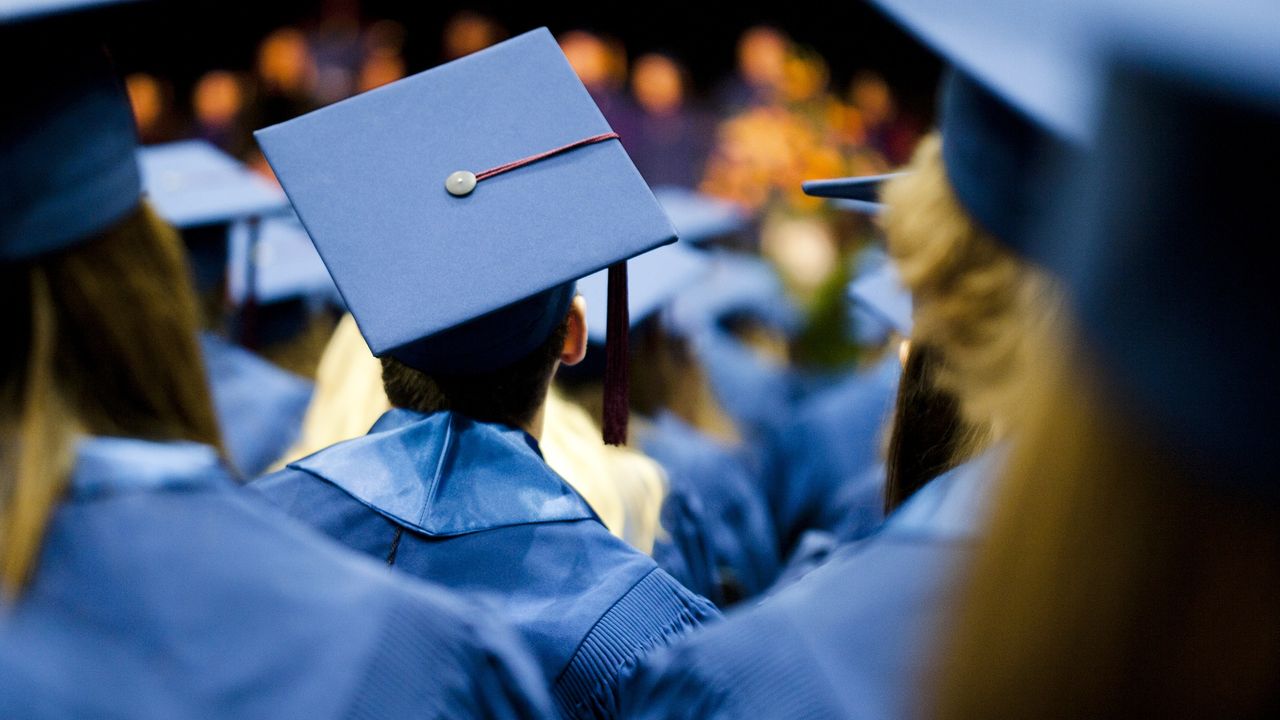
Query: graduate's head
x=100, y=319
x=463, y=206
x=512, y=393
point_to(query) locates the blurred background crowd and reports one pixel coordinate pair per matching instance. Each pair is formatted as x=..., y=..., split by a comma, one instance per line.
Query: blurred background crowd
x=742, y=111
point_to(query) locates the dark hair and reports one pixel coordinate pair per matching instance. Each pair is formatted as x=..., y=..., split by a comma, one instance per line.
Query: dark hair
x=510, y=395
x=928, y=436
x=101, y=339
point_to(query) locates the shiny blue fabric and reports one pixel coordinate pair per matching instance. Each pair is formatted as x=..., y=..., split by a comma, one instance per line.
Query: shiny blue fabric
x=165, y=591
x=720, y=540
x=835, y=439
x=259, y=406
x=473, y=506
x=850, y=640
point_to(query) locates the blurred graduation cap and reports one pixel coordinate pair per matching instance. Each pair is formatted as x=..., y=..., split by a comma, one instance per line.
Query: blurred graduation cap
x=457, y=207
x=67, y=137
x=653, y=279
x=203, y=191
x=1016, y=103
x=191, y=183
x=881, y=298
x=858, y=194
x=285, y=264
x=700, y=218
x=1167, y=240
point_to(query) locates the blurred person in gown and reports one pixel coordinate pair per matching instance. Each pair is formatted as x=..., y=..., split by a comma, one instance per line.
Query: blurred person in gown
x=152, y=101
x=1133, y=566
x=218, y=106
x=136, y=577
x=468, y=31
x=672, y=135
x=855, y=637
x=720, y=538
x=602, y=69
x=287, y=75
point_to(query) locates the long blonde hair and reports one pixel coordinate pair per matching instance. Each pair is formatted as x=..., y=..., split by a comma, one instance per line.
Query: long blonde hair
x=102, y=342
x=974, y=301
x=1113, y=583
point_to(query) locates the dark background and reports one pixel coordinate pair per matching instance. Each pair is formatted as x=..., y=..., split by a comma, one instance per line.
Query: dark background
x=180, y=39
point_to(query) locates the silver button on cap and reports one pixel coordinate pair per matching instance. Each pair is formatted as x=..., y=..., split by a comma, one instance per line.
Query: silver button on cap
x=460, y=183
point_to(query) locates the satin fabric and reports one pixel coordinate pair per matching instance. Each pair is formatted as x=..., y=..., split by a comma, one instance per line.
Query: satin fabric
x=720, y=538
x=474, y=507
x=259, y=406
x=835, y=440
x=850, y=640
x=164, y=590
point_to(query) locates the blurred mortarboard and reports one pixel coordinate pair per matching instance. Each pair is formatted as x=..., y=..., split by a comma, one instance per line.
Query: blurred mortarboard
x=858, y=194
x=697, y=217
x=653, y=279
x=67, y=136
x=1017, y=100
x=191, y=183
x=1167, y=242
x=880, y=294
x=286, y=265
x=455, y=208
x=737, y=285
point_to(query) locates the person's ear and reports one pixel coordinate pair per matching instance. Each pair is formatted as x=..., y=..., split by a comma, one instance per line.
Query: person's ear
x=575, y=341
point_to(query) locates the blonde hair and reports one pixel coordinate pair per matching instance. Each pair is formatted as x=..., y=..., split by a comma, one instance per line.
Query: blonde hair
x=1113, y=582
x=103, y=342
x=974, y=301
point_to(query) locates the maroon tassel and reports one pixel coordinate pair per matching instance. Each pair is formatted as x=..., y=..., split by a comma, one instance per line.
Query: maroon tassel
x=617, y=404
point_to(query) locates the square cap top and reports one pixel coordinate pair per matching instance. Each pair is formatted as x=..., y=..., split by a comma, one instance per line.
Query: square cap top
x=192, y=183
x=368, y=178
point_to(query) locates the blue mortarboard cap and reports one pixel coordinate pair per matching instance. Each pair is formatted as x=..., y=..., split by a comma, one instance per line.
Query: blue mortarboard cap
x=286, y=265
x=653, y=279
x=857, y=194
x=472, y=276
x=192, y=183
x=880, y=293
x=698, y=217
x=67, y=137
x=1018, y=99
x=1167, y=242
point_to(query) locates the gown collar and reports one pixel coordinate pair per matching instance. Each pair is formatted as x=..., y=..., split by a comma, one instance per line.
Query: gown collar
x=445, y=474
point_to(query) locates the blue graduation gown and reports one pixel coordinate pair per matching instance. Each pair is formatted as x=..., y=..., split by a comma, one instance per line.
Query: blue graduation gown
x=850, y=640
x=472, y=506
x=721, y=540
x=166, y=591
x=835, y=439
x=259, y=406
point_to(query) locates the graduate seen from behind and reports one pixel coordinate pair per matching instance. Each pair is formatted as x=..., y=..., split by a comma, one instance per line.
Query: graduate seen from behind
x=455, y=210
x=138, y=580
